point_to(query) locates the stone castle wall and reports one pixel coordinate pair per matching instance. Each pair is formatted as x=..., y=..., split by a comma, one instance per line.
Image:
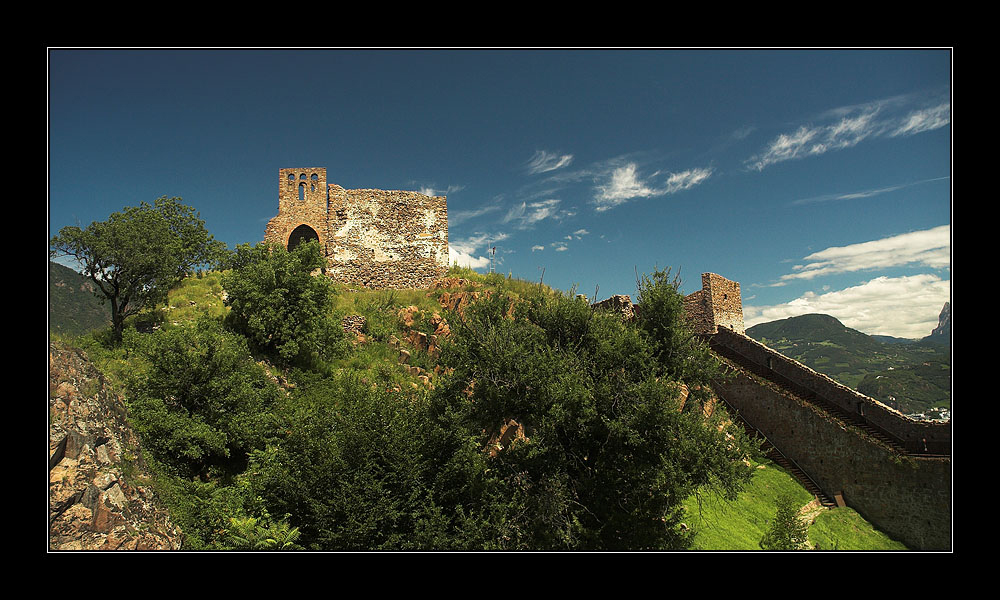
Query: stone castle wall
x=907, y=496
x=372, y=238
x=718, y=302
x=914, y=435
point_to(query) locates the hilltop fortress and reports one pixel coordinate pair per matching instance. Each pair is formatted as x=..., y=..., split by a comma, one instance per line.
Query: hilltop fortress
x=372, y=238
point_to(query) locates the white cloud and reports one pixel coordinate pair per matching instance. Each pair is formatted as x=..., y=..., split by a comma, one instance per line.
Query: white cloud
x=543, y=162
x=533, y=248
x=624, y=185
x=463, y=259
x=853, y=125
x=463, y=252
x=527, y=214
x=686, y=180
x=430, y=191
x=923, y=120
x=460, y=216
x=906, y=307
x=864, y=193
x=581, y=232
x=928, y=248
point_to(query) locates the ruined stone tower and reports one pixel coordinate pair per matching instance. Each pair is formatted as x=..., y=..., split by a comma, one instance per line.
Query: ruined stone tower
x=718, y=302
x=373, y=238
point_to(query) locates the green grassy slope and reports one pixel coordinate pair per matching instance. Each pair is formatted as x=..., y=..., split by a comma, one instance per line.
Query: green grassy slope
x=739, y=525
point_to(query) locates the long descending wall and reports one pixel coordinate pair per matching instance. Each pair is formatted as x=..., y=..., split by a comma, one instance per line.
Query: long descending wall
x=373, y=238
x=900, y=482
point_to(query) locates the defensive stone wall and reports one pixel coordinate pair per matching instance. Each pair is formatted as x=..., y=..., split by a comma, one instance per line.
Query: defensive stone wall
x=908, y=497
x=830, y=431
x=914, y=435
x=372, y=238
x=718, y=302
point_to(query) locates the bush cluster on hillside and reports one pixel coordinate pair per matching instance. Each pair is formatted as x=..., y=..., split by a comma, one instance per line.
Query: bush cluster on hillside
x=264, y=436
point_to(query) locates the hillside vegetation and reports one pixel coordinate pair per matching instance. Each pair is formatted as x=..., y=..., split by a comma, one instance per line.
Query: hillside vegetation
x=486, y=414
x=73, y=308
x=913, y=377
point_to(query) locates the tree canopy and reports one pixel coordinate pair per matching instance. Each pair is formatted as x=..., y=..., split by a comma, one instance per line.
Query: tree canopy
x=277, y=303
x=138, y=254
x=609, y=448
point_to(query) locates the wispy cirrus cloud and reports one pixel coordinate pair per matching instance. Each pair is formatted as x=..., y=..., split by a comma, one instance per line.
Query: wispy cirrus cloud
x=526, y=214
x=906, y=307
x=624, y=184
x=864, y=193
x=849, y=126
x=460, y=216
x=928, y=248
x=543, y=162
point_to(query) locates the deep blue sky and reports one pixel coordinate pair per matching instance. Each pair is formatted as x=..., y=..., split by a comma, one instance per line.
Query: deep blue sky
x=818, y=179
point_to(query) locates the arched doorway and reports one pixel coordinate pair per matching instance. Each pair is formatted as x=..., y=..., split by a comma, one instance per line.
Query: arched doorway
x=302, y=233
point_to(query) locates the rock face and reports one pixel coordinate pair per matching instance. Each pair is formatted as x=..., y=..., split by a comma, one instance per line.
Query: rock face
x=944, y=322
x=98, y=495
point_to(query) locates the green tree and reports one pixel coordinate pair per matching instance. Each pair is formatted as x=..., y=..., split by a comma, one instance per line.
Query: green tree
x=350, y=465
x=202, y=401
x=138, y=254
x=610, y=455
x=280, y=306
x=786, y=531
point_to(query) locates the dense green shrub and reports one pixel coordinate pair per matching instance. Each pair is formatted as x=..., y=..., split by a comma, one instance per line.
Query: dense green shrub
x=279, y=305
x=611, y=456
x=202, y=401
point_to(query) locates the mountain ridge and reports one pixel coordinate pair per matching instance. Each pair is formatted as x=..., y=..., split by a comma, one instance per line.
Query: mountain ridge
x=913, y=376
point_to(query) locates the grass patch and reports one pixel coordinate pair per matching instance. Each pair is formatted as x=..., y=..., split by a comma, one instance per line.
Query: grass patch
x=845, y=529
x=739, y=525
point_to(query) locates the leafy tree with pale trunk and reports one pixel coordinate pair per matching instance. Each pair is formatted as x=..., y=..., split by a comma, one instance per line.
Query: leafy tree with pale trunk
x=138, y=254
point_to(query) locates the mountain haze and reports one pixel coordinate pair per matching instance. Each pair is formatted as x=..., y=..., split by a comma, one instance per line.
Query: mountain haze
x=73, y=307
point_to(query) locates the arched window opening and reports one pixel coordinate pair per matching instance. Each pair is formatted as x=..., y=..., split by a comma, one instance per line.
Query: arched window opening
x=302, y=233
x=302, y=192
x=302, y=177
x=291, y=180
x=314, y=177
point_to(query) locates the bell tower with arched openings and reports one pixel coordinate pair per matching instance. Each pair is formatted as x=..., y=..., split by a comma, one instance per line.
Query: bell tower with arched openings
x=371, y=238
x=302, y=207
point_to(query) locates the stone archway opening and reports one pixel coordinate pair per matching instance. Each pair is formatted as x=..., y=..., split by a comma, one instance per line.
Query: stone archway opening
x=302, y=233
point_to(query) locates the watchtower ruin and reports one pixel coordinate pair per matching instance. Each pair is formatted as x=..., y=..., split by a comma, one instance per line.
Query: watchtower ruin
x=373, y=238
x=718, y=302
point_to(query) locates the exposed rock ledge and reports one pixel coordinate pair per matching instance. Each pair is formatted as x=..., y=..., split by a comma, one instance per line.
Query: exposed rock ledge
x=98, y=499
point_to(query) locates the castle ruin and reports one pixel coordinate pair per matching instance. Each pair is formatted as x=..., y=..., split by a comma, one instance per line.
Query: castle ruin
x=372, y=238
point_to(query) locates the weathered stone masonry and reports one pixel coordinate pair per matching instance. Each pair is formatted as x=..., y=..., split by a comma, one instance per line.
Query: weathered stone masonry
x=903, y=486
x=372, y=238
x=895, y=471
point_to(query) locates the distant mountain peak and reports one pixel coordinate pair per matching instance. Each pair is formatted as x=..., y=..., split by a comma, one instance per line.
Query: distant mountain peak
x=944, y=321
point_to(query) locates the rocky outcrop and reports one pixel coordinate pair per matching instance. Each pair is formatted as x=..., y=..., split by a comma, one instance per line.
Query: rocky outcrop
x=99, y=497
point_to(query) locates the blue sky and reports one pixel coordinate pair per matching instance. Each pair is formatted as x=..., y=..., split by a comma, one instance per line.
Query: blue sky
x=818, y=179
